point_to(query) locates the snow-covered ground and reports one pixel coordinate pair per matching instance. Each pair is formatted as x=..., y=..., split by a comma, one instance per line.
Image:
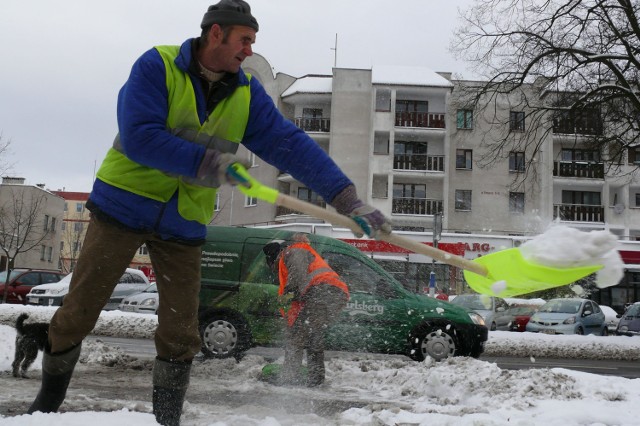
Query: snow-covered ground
x=112, y=388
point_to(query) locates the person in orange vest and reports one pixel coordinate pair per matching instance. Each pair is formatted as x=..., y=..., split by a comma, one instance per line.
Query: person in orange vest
x=315, y=296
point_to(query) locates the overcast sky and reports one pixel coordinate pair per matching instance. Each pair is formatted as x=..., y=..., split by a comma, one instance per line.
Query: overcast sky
x=64, y=61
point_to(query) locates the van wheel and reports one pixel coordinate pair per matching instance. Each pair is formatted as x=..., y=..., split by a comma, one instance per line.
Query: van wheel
x=224, y=335
x=434, y=342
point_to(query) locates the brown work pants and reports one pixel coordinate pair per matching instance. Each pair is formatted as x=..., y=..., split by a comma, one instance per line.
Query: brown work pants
x=106, y=253
x=322, y=307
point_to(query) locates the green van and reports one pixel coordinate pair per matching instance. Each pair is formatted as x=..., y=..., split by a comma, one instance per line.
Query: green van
x=239, y=309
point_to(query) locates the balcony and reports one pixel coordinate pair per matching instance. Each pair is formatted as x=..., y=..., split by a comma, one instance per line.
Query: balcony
x=416, y=206
x=578, y=169
x=591, y=127
x=431, y=120
x=422, y=162
x=313, y=124
x=578, y=213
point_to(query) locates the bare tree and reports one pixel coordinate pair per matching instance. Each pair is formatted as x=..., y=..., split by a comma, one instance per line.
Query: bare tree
x=21, y=228
x=5, y=165
x=571, y=65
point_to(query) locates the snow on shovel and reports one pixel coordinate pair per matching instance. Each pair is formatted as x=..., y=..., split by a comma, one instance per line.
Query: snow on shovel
x=505, y=273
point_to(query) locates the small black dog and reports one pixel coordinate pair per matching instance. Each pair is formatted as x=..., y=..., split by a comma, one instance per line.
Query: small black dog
x=29, y=339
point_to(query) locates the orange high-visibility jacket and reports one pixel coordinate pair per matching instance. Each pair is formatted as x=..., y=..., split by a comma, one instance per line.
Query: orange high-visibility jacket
x=318, y=272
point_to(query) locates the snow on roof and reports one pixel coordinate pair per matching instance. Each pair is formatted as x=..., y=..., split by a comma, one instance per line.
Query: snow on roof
x=310, y=84
x=408, y=76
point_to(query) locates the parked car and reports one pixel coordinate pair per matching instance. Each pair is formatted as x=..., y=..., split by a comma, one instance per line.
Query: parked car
x=520, y=316
x=132, y=281
x=144, y=302
x=569, y=316
x=629, y=324
x=239, y=303
x=22, y=280
x=492, y=309
x=611, y=318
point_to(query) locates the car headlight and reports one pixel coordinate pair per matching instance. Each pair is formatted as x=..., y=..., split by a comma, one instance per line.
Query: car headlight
x=476, y=318
x=55, y=291
x=570, y=320
x=148, y=302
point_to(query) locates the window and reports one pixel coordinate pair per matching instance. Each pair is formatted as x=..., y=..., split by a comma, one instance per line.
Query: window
x=638, y=199
x=78, y=226
x=49, y=254
x=463, y=199
x=66, y=207
x=216, y=204
x=252, y=159
x=464, y=159
x=64, y=225
x=79, y=207
x=516, y=202
x=634, y=155
x=516, y=161
x=61, y=246
x=383, y=100
x=465, y=119
x=76, y=247
x=516, y=121
x=586, y=198
x=410, y=155
x=42, y=252
x=586, y=155
x=143, y=250
x=53, y=224
x=409, y=198
x=310, y=196
x=381, y=143
x=250, y=201
x=46, y=222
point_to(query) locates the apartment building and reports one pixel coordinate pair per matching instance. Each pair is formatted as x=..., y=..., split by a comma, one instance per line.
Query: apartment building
x=30, y=223
x=415, y=148
x=73, y=231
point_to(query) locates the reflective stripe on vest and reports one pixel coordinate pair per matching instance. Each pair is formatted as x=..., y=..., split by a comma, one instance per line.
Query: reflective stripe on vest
x=319, y=272
x=222, y=130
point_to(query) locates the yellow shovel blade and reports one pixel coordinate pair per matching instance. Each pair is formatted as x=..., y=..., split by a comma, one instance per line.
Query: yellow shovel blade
x=509, y=275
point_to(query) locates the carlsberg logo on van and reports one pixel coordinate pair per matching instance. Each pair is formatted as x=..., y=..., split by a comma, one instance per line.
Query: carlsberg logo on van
x=356, y=308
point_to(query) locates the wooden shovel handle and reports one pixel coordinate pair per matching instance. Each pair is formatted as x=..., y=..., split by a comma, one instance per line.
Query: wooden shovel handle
x=406, y=243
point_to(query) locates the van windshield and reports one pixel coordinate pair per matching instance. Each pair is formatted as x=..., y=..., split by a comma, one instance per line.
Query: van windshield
x=358, y=276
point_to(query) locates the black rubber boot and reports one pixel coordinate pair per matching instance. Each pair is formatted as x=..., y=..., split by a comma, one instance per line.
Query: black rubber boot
x=170, y=383
x=56, y=374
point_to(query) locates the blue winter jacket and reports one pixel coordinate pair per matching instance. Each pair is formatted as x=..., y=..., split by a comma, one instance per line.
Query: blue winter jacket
x=142, y=112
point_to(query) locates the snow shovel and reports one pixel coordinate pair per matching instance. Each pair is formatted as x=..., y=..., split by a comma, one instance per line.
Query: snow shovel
x=505, y=273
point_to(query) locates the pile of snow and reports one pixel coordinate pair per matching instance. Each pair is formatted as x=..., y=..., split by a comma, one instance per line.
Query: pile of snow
x=563, y=247
x=361, y=389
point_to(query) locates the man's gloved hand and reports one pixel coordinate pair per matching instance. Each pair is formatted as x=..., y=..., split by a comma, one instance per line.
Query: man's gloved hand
x=370, y=219
x=215, y=165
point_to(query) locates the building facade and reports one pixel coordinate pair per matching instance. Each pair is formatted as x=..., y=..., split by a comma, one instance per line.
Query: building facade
x=414, y=148
x=30, y=218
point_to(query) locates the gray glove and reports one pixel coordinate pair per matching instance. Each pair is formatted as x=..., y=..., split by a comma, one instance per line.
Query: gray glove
x=370, y=219
x=214, y=166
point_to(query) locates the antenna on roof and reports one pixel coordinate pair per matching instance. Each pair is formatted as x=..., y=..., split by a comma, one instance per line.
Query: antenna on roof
x=335, y=52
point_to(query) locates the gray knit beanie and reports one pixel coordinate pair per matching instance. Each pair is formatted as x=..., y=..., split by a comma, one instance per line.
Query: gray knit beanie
x=229, y=12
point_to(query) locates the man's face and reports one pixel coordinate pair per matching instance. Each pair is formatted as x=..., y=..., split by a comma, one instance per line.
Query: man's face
x=227, y=54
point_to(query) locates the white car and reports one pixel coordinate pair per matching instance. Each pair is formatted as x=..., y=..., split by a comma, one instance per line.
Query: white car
x=611, y=318
x=145, y=302
x=132, y=281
